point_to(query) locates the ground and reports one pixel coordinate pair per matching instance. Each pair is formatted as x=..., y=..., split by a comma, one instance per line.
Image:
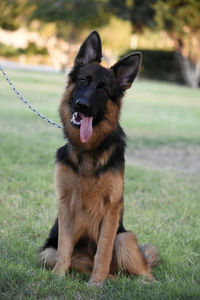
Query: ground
x=181, y=160
x=162, y=189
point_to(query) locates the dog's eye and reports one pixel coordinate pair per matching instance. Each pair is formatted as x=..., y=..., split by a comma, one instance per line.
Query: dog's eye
x=83, y=81
x=101, y=88
x=89, y=78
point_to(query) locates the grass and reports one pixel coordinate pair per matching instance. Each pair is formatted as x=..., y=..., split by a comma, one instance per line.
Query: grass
x=161, y=207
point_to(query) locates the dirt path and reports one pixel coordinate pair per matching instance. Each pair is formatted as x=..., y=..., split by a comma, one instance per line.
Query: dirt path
x=185, y=160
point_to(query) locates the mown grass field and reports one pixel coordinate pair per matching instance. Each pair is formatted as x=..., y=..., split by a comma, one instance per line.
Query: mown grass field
x=161, y=205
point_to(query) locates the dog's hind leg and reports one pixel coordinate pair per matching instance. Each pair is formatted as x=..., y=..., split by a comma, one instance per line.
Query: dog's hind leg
x=80, y=261
x=48, y=255
x=130, y=257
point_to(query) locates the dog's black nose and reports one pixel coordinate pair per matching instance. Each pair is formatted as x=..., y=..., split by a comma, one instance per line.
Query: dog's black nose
x=82, y=104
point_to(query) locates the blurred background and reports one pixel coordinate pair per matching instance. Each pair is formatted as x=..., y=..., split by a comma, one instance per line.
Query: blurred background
x=47, y=32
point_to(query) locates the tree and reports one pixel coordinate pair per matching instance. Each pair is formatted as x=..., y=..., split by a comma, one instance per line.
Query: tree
x=139, y=13
x=79, y=13
x=14, y=13
x=181, y=20
x=72, y=18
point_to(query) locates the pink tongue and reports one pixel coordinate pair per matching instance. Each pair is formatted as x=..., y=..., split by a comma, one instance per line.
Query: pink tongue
x=86, y=128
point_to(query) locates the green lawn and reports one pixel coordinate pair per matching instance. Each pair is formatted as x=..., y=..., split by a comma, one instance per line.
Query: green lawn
x=161, y=206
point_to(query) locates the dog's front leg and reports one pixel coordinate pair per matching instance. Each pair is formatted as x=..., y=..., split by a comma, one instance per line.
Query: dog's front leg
x=65, y=242
x=107, y=235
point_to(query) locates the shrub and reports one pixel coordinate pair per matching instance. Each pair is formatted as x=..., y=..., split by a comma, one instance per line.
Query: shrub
x=8, y=50
x=159, y=65
x=31, y=49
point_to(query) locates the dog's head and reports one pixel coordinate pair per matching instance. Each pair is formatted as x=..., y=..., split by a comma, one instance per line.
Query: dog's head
x=91, y=105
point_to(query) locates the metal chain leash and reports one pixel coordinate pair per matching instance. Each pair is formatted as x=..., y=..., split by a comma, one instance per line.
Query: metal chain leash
x=26, y=102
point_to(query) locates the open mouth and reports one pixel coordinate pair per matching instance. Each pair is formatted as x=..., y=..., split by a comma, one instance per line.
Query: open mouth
x=76, y=119
x=79, y=120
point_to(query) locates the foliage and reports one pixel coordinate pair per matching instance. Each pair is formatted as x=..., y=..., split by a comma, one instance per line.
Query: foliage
x=14, y=13
x=140, y=13
x=8, y=50
x=72, y=18
x=116, y=35
x=31, y=49
x=160, y=206
x=85, y=13
x=181, y=20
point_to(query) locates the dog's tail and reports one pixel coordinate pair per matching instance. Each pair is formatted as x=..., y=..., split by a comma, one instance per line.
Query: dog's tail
x=132, y=258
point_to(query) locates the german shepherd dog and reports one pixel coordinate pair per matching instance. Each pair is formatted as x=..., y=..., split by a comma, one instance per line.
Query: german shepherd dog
x=88, y=234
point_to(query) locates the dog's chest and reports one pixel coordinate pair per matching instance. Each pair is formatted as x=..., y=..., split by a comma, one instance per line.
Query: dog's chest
x=88, y=195
x=87, y=207
x=89, y=164
x=87, y=198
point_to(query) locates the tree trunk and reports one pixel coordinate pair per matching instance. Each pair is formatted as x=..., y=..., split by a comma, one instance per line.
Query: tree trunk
x=190, y=71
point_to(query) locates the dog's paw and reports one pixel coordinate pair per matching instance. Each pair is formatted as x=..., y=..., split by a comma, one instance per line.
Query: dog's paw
x=111, y=277
x=93, y=283
x=58, y=270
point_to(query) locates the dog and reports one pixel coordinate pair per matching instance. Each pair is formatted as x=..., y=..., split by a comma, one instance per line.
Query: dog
x=88, y=235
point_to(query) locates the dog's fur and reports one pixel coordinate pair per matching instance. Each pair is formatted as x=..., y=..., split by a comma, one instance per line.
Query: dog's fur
x=89, y=235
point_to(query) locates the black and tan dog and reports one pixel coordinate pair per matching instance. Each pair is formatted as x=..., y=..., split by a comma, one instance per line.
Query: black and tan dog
x=89, y=235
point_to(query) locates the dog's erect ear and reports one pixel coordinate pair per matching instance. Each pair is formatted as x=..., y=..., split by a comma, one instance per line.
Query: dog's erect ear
x=90, y=50
x=126, y=69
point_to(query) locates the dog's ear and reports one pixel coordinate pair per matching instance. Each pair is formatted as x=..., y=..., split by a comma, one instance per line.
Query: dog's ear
x=90, y=50
x=126, y=69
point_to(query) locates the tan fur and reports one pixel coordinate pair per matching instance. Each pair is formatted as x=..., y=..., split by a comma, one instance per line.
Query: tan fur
x=90, y=206
x=129, y=256
x=103, y=159
x=82, y=262
x=82, y=197
x=81, y=211
x=126, y=256
x=81, y=205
